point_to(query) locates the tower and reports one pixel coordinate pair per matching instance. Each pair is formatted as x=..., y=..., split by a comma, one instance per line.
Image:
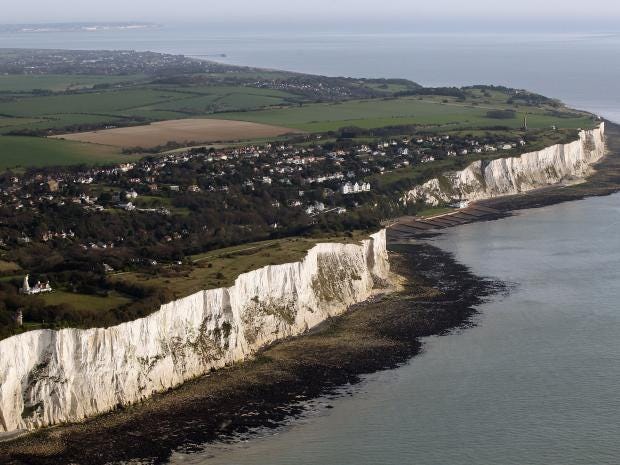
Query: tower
x=25, y=286
x=525, y=122
x=19, y=318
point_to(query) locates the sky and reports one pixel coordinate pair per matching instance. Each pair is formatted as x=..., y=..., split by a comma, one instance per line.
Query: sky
x=315, y=11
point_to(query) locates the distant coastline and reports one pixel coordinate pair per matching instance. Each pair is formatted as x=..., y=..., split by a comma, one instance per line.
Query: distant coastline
x=72, y=27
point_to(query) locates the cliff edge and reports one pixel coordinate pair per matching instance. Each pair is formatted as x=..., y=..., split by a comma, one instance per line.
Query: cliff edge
x=507, y=176
x=49, y=377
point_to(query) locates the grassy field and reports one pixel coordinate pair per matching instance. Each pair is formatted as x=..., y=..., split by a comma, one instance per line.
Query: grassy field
x=147, y=102
x=221, y=267
x=34, y=151
x=157, y=102
x=429, y=111
x=59, y=83
x=8, y=267
x=91, y=302
x=137, y=101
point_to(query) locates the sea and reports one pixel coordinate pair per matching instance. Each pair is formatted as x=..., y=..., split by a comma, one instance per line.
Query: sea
x=535, y=381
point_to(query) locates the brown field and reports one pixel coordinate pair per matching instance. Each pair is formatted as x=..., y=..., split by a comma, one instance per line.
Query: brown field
x=180, y=131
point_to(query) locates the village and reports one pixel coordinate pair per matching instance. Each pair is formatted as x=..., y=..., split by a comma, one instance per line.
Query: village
x=313, y=178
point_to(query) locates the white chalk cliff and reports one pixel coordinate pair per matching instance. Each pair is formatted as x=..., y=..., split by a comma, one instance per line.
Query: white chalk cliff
x=506, y=176
x=48, y=377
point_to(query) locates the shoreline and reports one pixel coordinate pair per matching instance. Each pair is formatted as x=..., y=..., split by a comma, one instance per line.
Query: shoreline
x=438, y=296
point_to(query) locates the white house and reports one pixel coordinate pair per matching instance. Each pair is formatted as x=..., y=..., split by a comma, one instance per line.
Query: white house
x=127, y=206
x=348, y=188
x=38, y=288
x=316, y=208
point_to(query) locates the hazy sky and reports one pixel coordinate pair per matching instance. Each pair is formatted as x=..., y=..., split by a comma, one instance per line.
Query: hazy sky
x=316, y=11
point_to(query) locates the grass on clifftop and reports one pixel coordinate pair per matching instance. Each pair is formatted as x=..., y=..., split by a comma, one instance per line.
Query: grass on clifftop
x=220, y=268
x=442, y=112
x=91, y=302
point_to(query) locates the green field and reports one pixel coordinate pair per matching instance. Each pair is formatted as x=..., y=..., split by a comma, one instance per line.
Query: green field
x=8, y=267
x=429, y=111
x=18, y=151
x=134, y=103
x=90, y=302
x=140, y=101
x=59, y=83
x=134, y=100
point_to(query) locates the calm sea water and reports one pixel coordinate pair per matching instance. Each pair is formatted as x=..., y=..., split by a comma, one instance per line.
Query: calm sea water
x=536, y=382
x=581, y=69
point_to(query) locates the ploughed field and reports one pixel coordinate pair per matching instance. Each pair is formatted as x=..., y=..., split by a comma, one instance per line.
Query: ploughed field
x=180, y=131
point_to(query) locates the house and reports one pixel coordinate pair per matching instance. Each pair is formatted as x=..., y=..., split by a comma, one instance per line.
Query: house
x=38, y=288
x=52, y=185
x=193, y=188
x=127, y=206
x=348, y=188
x=317, y=207
x=24, y=240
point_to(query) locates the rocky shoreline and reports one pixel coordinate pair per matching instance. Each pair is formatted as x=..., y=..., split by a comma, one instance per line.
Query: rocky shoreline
x=438, y=295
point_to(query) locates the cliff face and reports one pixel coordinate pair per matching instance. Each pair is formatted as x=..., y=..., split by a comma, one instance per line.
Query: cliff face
x=48, y=377
x=506, y=176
